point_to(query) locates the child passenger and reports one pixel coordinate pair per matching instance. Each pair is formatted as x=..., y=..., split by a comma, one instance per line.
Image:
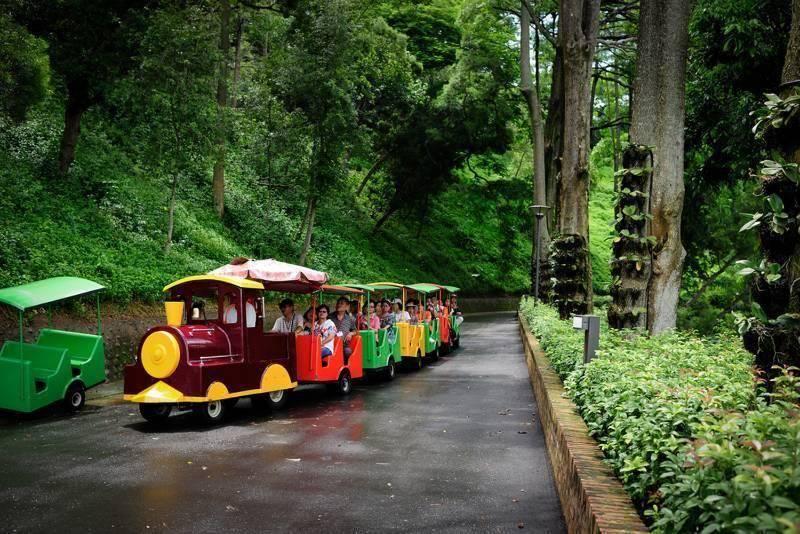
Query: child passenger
x=326, y=330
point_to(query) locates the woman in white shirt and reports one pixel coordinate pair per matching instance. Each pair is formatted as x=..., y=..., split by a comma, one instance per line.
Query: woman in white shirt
x=400, y=315
x=325, y=329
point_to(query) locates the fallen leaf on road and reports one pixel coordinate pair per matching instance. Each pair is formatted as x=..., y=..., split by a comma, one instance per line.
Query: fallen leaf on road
x=520, y=525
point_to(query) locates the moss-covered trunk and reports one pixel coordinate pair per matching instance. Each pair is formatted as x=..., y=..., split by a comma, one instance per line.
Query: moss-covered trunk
x=774, y=337
x=630, y=265
x=572, y=271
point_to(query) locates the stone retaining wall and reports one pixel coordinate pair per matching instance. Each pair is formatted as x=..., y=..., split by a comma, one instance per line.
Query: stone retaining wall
x=592, y=498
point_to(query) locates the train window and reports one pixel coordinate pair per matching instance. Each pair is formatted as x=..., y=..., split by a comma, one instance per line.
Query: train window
x=205, y=305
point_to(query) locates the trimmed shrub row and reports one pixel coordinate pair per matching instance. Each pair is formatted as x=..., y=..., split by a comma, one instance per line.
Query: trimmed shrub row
x=680, y=421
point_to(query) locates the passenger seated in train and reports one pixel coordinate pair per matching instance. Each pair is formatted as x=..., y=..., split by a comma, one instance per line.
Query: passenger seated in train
x=373, y=321
x=250, y=312
x=455, y=310
x=413, y=317
x=290, y=321
x=345, y=324
x=399, y=314
x=326, y=330
x=308, y=321
x=387, y=319
x=230, y=315
x=231, y=311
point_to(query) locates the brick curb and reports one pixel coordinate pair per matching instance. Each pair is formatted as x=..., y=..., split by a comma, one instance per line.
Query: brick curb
x=592, y=499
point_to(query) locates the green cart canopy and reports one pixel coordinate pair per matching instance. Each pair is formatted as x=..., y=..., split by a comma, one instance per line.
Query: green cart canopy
x=425, y=288
x=341, y=290
x=386, y=286
x=452, y=289
x=362, y=287
x=47, y=291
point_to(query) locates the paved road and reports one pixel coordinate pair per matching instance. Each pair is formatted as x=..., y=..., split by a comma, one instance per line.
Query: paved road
x=455, y=447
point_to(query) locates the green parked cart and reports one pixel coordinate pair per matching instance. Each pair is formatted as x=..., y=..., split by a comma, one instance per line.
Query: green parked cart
x=61, y=365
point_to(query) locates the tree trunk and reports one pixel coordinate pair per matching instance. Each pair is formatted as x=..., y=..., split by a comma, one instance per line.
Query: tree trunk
x=218, y=184
x=554, y=135
x=76, y=106
x=372, y=170
x=171, y=211
x=730, y=260
x=791, y=61
x=237, y=62
x=312, y=212
x=537, y=129
x=572, y=291
x=657, y=121
x=385, y=217
x=777, y=343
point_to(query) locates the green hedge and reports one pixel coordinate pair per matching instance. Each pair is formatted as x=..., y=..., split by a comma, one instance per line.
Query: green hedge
x=679, y=420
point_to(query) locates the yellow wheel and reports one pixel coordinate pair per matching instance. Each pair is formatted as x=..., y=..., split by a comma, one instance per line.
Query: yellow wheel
x=160, y=354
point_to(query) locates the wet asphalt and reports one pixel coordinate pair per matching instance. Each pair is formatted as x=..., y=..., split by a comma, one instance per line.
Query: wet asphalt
x=455, y=447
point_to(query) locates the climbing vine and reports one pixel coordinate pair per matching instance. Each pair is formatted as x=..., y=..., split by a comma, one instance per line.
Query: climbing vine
x=630, y=263
x=569, y=260
x=772, y=332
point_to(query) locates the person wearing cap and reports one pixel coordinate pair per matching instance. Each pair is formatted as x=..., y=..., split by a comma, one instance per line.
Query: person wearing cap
x=413, y=318
x=289, y=321
x=399, y=314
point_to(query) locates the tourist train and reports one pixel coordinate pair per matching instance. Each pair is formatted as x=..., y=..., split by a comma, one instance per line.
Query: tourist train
x=215, y=347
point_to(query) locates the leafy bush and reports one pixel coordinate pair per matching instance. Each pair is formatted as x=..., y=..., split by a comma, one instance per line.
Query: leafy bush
x=680, y=423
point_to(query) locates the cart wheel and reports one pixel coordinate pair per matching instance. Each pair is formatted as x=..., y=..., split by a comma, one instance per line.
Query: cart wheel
x=210, y=412
x=391, y=370
x=418, y=363
x=156, y=414
x=344, y=386
x=272, y=401
x=435, y=354
x=457, y=342
x=75, y=397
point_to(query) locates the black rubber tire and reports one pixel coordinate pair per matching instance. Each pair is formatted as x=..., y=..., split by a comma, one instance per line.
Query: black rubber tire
x=391, y=370
x=345, y=384
x=271, y=402
x=210, y=413
x=156, y=414
x=75, y=397
x=418, y=361
x=230, y=404
x=434, y=356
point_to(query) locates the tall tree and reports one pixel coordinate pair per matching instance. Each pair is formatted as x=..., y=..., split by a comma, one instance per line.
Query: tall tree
x=531, y=95
x=91, y=45
x=774, y=335
x=572, y=290
x=649, y=257
x=218, y=183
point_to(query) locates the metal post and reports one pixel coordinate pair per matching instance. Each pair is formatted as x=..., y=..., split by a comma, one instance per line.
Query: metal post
x=590, y=324
x=21, y=360
x=99, y=323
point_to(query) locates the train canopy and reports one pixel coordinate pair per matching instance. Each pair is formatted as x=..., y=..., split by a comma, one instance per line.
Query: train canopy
x=275, y=275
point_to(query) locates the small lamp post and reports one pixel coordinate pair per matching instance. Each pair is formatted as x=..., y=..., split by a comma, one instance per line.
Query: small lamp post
x=590, y=324
x=539, y=211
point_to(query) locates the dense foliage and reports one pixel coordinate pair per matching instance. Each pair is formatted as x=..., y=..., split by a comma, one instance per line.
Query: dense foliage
x=685, y=431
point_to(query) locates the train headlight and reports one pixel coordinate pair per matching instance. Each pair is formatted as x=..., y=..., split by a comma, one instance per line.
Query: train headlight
x=160, y=354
